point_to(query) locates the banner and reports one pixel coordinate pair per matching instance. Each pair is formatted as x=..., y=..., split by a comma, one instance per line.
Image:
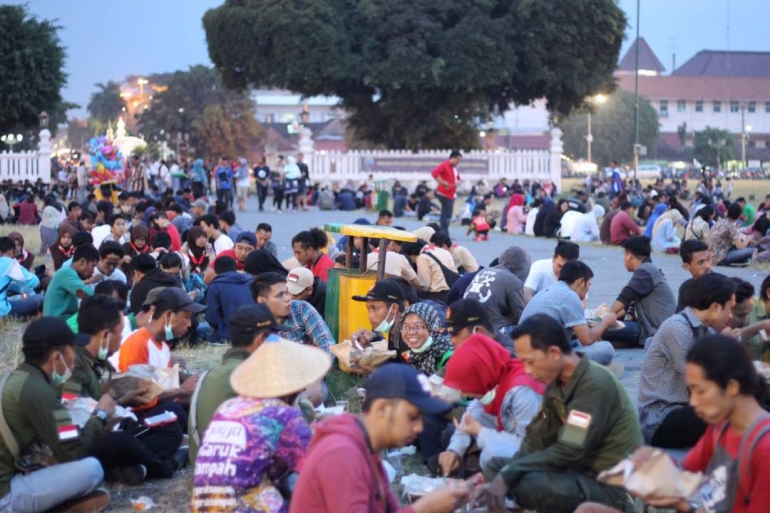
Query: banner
x=417, y=164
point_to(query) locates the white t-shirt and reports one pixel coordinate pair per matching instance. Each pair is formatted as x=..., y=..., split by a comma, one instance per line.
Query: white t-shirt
x=223, y=243
x=585, y=229
x=540, y=275
x=529, y=226
x=568, y=221
x=99, y=233
x=117, y=275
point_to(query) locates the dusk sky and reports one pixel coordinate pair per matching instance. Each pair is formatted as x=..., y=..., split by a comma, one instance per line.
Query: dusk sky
x=108, y=40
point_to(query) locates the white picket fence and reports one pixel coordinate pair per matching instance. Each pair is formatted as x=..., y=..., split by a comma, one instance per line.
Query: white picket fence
x=535, y=164
x=28, y=165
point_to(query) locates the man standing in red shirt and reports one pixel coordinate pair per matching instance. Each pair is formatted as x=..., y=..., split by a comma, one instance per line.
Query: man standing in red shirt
x=447, y=176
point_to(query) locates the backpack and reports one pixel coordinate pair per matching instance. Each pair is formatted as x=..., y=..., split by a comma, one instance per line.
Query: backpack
x=449, y=275
x=195, y=282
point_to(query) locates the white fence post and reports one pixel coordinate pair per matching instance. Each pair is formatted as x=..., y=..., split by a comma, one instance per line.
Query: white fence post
x=44, y=156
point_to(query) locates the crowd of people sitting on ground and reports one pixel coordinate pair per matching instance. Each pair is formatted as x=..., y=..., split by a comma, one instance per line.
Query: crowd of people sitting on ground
x=500, y=375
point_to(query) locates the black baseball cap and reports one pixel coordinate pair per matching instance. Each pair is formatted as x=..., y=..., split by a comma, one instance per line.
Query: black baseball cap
x=47, y=332
x=176, y=299
x=402, y=381
x=251, y=319
x=384, y=290
x=463, y=313
x=247, y=237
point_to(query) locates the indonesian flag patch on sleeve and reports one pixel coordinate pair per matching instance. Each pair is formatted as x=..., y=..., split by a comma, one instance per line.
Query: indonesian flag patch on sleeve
x=67, y=432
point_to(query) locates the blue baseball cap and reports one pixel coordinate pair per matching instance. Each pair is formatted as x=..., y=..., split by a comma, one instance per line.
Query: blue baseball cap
x=401, y=381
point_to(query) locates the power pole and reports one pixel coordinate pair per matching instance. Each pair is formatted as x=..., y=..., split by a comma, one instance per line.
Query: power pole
x=636, y=94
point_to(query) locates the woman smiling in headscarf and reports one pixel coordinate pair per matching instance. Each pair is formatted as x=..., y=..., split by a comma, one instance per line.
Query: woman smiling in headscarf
x=428, y=346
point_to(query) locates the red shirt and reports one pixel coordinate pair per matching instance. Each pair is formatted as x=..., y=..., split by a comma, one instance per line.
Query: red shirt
x=176, y=240
x=446, y=172
x=230, y=253
x=321, y=267
x=622, y=227
x=755, y=471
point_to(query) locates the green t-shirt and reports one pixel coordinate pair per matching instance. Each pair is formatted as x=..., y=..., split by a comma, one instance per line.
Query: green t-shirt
x=60, y=299
x=72, y=322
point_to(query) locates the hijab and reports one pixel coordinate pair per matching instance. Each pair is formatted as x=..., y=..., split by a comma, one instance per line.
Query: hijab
x=59, y=254
x=481, y=365
x=137, y=232
x=24, y=257
x=517, y=200
x=428, y=359
x=656, y=213
x=674, y=215
x=262, y=261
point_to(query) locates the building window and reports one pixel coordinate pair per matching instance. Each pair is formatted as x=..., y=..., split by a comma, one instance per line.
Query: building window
x=681, y=105
x=664, y=107
x=717, y=106
x=699, y=106
x=760, y=143
x=752, y=107
x=767, y=106
x=734, y=107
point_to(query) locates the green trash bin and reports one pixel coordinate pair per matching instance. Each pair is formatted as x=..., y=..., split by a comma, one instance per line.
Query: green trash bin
x=382, y=200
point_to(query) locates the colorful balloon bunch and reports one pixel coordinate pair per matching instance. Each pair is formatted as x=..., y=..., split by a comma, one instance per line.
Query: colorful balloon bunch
x=106, y=161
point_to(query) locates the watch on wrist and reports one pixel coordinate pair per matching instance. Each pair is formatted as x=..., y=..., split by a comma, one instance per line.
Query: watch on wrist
x=101, y=414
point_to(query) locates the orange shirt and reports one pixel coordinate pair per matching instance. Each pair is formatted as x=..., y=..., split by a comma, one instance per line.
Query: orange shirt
x=140, y=349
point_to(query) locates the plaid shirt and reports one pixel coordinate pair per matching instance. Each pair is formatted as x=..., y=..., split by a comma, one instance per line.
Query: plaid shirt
x=662, y=387
x=307, y=326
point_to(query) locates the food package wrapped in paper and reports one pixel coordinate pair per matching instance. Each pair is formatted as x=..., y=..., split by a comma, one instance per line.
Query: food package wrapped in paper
x=594, y=316
x=81, y=408
x=417, y=486
x=351, y=357
x=155, y=379
x=658, y=477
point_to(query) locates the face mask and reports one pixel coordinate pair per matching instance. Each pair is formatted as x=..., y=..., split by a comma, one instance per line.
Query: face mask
x=385, y=326
x=59, y=379
x=487, y=399
x=169, y=333
x=103, y=348
x=424, y=347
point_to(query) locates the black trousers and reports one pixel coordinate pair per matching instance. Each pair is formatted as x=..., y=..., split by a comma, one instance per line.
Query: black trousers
x=135, y=444
x=681, y=429
x=278, y=198
x=261, y=196
x=447, y=209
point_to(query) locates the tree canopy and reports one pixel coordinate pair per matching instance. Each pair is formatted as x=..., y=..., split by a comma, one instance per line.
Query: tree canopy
x=712, y=145
x=106, y=104
x=31, y=71
x=218, y=120
x=420, y=73
x=612, y=127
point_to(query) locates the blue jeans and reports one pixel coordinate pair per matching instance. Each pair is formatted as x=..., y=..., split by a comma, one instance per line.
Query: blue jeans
x=600, y=352
x=630, y=335
x=447, y=209
x=737, y=256
x=26, y=307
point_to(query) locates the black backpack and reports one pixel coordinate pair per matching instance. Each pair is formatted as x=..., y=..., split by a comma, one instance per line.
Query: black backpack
x=449, y=275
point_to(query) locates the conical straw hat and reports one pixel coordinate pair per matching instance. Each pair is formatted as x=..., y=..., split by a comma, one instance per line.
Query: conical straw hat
x=280, y=368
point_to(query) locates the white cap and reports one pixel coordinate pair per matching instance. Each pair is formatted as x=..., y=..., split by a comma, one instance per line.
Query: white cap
x=653, y=193
x=299, y=279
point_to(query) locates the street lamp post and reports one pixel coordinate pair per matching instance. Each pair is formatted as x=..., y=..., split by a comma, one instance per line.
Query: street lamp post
x=11, y=139
x=598, y=99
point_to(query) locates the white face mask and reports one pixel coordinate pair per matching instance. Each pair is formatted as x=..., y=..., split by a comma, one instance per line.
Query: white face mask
x=168, y=332
x=385, y=326
x=487, y=398
x=59, y=379
x=104, y=348
x=424, y=347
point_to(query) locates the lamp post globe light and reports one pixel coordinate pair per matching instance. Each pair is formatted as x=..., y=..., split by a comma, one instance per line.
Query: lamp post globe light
x=11, y=139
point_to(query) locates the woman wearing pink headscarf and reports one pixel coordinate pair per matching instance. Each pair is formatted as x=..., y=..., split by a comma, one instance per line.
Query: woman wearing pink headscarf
x=517, y=218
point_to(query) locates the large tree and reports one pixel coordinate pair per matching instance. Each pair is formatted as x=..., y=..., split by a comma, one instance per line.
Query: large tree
x=420, y=73
x=31, y=71
x=612, y=127
x=196, y=103
x=713, y=146
x=106, y=104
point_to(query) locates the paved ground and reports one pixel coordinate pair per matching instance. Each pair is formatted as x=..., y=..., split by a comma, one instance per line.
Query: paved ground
x=606, y=262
